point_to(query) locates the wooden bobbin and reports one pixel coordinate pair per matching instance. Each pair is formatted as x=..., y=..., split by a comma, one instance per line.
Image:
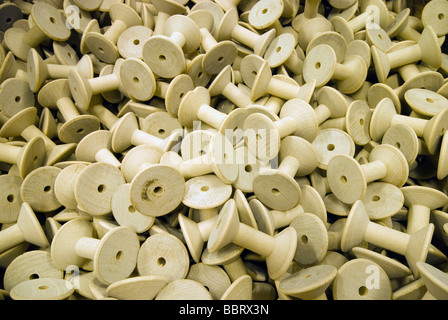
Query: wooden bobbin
x=229, y=257
x=96, y=147
x=160, y=124
x=184, y=289
x=425, y=102
x=229, y=28
x=165, y=53
x=266, y=15
x=374, y=14
x=400, y=27
x=10, y=200
x=386, y=163
x=427, y=49
x=414, y=77
x=137, y=288
x=131, y=76
x=88, y=5
x=56, y=93
x=42, y=289
x=37, y=189
x=393, y=268
x=248, y=168
x=217, y=54
x=30, y=265
x=420, y=201
x=223, y=85
x=434, y=280
x=431, y=130
x=195, y=143
x=220, y=160
x=125, y=213
x=310, y=11
x=104, y=46
x=414, y=247
x=312, y=239
x=165, y=9
x=195, y=107
x=64, y=185
x=23, y=124
x=264, y=83
x=173, y=92
x=356, y=122
x=436, y=15
x=321, y=65
x=27, y=229
x=95, y=186
x=196, y=234
x=277, y=188
x=39, y=71
x=163, y=255
x=241, y=289
x=13, y=68
x=83, y=17
x=244, y=209
x=126, y=133
x=282, y=51
x=26, y=158
x=114, y=255
x=48, y=22
x=331, y=142
x=332, y=38
x=278, y=250
x=21, y=98
x=130, y=42
x=311, y=29
x=205, y=192
x=350, y=282
x=309, y=283
x=156, y=189
x=214, y=278
x=12, y=13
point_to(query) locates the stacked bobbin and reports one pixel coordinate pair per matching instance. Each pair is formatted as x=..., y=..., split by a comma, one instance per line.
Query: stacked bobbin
x=271, y=149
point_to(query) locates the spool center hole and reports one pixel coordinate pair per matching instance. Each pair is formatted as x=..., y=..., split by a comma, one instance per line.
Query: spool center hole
x=376, y=198
x=304, y=239
x=429, y=100
x=275, y=191
x=248, y=168
x=441, y=16
x=47, y=189
x=136, y=42
x=10, y=198
x=43, y=287
x=101, y=188
x=161, y=262
x=158, y=190
x=205, y=188
x=363, y=291
x=317, y=65
x=343, y=179
x=131, y=209
x=119, y=255
x=33, y=276
x=330, y=147
x=162, y=58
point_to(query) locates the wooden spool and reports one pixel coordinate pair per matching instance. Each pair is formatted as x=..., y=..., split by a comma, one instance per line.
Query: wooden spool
x=278, y=250
x=113, y=259
x=48, y=22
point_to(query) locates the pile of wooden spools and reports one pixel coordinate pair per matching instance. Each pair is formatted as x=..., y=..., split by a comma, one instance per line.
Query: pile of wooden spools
x=224, y=149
